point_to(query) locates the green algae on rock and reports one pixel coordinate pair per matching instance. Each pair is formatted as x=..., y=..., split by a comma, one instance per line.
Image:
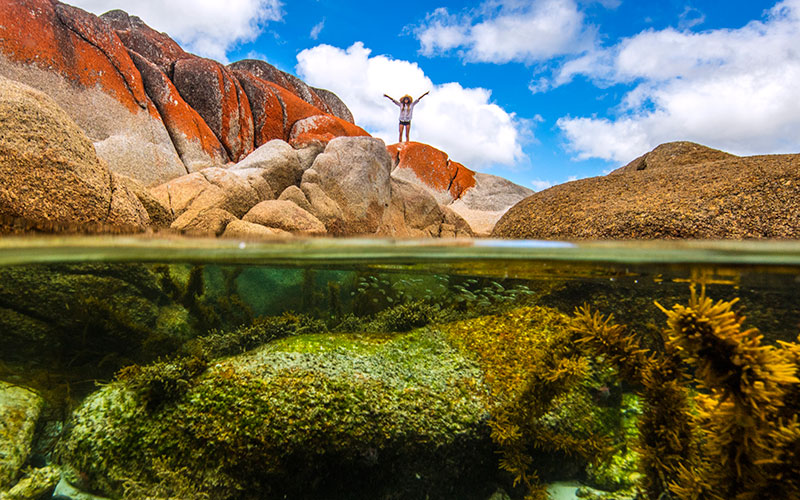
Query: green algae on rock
x=403, y=413
x=19, y=410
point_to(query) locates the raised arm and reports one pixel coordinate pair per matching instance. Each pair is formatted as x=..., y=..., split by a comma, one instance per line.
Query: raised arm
x=420, y=97
x=386, y=96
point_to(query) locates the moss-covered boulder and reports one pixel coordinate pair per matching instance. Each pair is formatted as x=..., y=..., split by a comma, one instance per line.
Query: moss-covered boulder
x=308, y=416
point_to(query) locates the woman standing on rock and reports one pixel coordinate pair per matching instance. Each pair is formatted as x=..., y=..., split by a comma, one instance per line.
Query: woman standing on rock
x=406, y=110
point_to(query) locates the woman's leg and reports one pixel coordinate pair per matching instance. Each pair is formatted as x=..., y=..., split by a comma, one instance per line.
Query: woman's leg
x=408, y=130
x=400, y=133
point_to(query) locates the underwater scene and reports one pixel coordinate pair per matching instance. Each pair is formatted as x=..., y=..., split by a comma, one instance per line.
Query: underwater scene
x=135, y=368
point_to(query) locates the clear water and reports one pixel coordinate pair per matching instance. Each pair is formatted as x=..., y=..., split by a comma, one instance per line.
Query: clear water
x=76, y=311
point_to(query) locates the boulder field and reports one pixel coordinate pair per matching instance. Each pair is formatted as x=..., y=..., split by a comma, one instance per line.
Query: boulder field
x=679, y=190
x=165, y=138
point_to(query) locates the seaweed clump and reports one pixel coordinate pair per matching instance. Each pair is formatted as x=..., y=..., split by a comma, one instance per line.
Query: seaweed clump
x=262, y=330
x=537, y=378
x=737, y=436
x=208, y=312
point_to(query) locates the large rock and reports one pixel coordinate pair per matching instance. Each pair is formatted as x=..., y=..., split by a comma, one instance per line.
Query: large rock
x=209, y=89
x=278, y=164
x=195, y=142
x=486, y=202
x=203, y=222
x=50, y=171
x=310, y=416
x=215, y=93
x=76, y=59
x=249, y=230
x=480, y=199
x=414, y=213
x=322, y=129
x=210, y=188
x=354, y=172
x=75, y=315
x=324, y=208
x=267, y=98
x=337, y=106
x=432, y=169
x=158, y=48
x=322, y=99
x=160, y=215
x=270, y=119
x=679, y=190
x=19, y=411
x=285, y=215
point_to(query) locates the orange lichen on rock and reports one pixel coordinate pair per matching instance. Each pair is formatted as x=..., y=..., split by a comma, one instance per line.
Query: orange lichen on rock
x=280, y=114
x=295, y=108
x=322, y=128
x=214, y=92
x=186, y=127
x=433, y=167
x=73, y=43
x=158, y=48
x=265, y=71
x=269, y=116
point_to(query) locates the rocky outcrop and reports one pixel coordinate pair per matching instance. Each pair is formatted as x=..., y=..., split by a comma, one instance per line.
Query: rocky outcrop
x=51, y=174
x=216, y=94
x=674, y=155
x=354, y=172
x=277, y=163
x=181, y=140
x=194, y=140
x=78, y=61
x=248, y=230
x=322, y=129
x=414, y=213
x=286, y=216
x=153, y=111
x=323, y=99
x=203, y=222
x=481, y=199
x=679, y=190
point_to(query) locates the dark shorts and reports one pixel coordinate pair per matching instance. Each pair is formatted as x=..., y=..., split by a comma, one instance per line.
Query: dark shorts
x=405, y=123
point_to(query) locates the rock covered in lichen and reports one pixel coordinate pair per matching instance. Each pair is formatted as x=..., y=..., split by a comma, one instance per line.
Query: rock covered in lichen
x=308, y=416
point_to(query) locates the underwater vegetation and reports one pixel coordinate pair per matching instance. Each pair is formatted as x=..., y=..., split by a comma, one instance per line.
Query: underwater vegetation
x=305, y=416
x=539, y=392
x=371, y=383
x=207, y=310
x=720, y=418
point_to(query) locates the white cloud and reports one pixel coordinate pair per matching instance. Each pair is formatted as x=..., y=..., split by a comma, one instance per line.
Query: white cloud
x=508, y=30
x=316, y=30
x=460, y=121
x=208, y=28
x=733, y=89
x=690, y=17
x=540, y=185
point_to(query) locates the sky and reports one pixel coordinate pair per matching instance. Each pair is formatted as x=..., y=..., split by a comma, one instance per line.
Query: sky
x=540, y=92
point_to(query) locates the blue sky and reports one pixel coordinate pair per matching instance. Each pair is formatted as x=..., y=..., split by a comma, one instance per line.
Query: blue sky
x=537, y=91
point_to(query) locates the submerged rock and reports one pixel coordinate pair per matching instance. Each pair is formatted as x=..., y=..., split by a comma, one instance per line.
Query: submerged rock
x=311, y=416
x=19, y=411
x=38, y=484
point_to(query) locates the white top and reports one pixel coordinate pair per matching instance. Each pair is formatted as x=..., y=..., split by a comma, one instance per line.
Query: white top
x=406, y=110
